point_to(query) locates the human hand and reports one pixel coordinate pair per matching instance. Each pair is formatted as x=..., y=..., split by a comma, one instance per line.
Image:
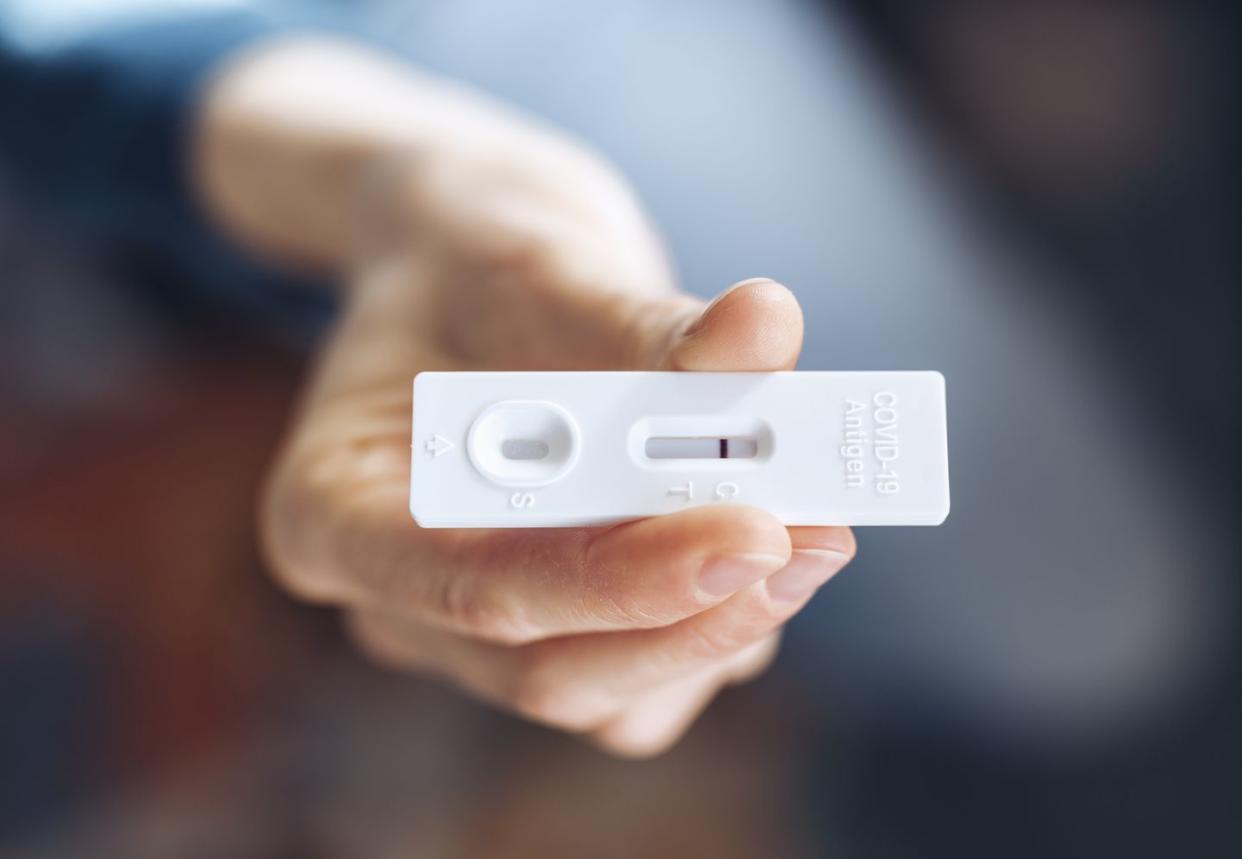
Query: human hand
x=501, y=245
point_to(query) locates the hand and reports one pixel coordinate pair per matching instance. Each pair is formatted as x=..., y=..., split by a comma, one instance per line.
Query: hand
x=506, y=248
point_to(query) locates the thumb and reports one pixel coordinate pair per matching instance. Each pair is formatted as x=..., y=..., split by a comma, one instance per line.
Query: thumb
x=754, y=325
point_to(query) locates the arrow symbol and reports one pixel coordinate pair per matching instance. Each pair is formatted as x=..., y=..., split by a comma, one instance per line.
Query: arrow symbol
x=687, y=491
x=438, y=445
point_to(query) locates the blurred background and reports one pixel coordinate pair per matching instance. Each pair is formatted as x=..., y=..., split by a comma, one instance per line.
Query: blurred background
x=1035, y=198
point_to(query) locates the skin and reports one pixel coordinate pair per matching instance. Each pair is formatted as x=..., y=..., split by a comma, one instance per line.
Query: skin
x=468, y=237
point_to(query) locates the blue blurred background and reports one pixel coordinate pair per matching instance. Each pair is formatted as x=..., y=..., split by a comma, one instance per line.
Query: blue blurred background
x=1035, y=198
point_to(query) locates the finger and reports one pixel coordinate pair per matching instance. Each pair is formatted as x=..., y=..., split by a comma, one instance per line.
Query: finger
x=571, y=211
x=610, y=668
x=576, y=682
x=755, y=325
x=658, y=719
x=633, y=727
x=656, y=722
x=520, y=585
x=490, y=672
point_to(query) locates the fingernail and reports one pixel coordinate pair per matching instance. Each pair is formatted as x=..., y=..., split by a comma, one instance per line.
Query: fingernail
x=721, y=577
x=807, y=570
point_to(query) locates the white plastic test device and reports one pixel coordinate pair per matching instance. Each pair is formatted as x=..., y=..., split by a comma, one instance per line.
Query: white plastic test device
x=546, y=449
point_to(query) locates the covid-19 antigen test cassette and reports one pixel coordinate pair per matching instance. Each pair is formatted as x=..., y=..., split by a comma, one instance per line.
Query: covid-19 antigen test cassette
x=548, y=449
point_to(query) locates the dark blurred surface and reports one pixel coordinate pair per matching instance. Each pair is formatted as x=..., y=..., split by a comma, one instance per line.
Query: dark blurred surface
x=1035, y=198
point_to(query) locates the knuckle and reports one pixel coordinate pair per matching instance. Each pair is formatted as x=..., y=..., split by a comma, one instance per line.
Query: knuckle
x=708, y=641
x=304, y=584
x=526, y=259
x=637, y=747
x=319, y=544
x=754, y=531
x=283, y=514
x=472, y=610
x=620, y=606
x=536, y=692
x=750, y=617
x=620, y=595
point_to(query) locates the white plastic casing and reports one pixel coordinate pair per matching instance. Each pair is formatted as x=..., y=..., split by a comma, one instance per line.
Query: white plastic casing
x=523, y=450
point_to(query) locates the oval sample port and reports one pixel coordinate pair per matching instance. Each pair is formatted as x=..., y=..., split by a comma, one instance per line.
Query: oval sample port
x=523, y=443
x=524, y=449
